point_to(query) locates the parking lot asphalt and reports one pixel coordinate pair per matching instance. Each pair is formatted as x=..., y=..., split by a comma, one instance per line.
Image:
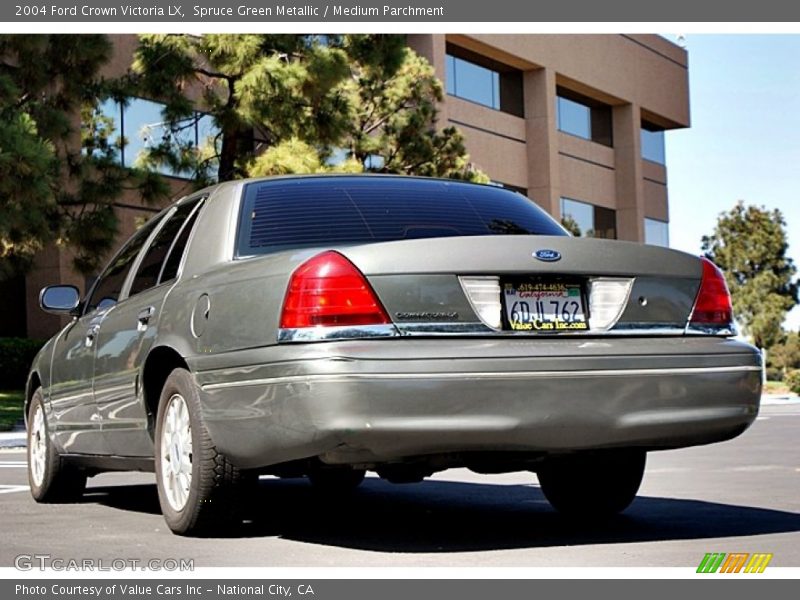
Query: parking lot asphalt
x=737, y=496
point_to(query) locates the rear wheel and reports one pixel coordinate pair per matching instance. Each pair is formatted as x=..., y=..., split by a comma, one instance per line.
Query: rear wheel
x=199, y=490
x=336, y=481
x=592, y=485
x=50, y=480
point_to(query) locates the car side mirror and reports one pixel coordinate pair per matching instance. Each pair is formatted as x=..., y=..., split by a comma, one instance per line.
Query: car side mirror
x=59, y=299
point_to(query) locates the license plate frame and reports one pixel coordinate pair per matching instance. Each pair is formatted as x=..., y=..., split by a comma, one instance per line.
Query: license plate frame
x=545, y=290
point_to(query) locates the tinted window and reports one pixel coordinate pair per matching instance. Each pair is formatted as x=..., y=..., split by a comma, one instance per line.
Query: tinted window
x=480, y=79
x=323, y=211
x=109, y=285
x=176, y=252
x=584, y=117
x=656, y=232
x=587, y=220
x=653, y=144
x=150, y=267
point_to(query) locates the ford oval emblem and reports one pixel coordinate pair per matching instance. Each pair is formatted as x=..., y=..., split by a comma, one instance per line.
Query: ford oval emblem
x=547, y=255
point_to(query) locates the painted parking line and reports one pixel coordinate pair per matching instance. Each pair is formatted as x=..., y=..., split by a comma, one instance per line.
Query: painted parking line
x=10, y=489
x=12, y=464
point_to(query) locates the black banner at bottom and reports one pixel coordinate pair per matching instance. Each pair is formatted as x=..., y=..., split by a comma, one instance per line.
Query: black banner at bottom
x=387, y=589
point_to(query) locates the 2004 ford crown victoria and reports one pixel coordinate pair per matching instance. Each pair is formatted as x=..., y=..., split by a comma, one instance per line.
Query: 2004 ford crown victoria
x=323, y=326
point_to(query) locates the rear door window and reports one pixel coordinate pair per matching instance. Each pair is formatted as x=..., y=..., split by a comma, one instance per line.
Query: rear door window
x=150, y=267
x=323, y=211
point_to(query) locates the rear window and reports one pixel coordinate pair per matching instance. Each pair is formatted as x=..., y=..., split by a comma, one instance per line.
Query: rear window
x=324, y=211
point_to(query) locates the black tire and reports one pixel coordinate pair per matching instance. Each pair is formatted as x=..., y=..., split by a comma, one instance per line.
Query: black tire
x=217, y=489
x=51, y=481
x=336, y=481
x=592, y=485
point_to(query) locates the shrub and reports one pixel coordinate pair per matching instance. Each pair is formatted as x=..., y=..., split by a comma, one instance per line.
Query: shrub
x=774, y=374
x=16, y=356
x=792, y=380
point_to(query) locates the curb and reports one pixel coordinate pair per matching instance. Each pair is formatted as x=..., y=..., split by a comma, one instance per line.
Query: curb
x=13, y=439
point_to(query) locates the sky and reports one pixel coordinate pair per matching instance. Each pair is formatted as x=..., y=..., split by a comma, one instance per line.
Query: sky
x=744, y=139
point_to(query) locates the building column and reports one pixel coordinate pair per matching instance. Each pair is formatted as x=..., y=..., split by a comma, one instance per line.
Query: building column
x=433, y=47
x=541, y=133
x=627, y=122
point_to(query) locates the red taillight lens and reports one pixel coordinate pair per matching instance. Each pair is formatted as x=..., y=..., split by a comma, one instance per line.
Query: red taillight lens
x=713, y=304
x=329, y=291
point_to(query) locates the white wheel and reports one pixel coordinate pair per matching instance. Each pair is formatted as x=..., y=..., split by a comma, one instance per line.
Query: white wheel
x=176, y=452
x=199, y=490
x=37, y=450
x=49, y=477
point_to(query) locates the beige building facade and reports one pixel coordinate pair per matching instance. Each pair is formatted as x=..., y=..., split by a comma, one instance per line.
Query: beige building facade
x=575, y=122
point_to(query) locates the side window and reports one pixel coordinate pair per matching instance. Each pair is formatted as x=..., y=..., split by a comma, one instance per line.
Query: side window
x=151, y=265
x=109, y=285
x=173, y=262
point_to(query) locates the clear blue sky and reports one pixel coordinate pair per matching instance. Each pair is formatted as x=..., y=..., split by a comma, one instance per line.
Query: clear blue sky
x=744, y=142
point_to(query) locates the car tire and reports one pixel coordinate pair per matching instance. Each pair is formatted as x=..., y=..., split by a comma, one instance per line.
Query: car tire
x=49, y=478
x=336, y=481
x=592, y=485
x=200, y=491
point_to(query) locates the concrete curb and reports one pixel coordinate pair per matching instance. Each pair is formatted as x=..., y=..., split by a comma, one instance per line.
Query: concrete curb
x=12, y=439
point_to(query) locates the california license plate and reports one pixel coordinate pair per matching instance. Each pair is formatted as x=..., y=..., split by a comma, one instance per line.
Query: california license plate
x=545, y=306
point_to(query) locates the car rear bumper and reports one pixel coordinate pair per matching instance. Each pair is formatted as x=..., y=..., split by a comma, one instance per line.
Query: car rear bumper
x=383, y=400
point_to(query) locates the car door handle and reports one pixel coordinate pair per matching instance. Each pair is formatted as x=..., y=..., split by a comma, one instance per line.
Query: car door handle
x=144, y=317
x=91, y=335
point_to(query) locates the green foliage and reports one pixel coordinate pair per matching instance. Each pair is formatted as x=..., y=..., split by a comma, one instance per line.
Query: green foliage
x=288, y=104
x=16, y=356
x=571, y=225
x=51, y=187
x=792, y=380
x=749, y=244
x=784, y=355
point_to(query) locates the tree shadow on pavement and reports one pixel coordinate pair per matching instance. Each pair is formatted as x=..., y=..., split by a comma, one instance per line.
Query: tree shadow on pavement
x=444, y=516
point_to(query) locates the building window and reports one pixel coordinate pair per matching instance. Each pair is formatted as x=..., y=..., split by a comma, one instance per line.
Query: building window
x=586, y=220
x=138, y=124
x=478, y=79
x=656, y=232
x=653, y=143
x=583, y=117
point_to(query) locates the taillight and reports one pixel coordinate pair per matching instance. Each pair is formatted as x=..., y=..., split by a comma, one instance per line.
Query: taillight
x=713, y=304
x=329, y=291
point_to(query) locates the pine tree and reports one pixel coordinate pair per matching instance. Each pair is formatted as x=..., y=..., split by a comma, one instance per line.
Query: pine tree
x=749, y=244
x=307, y=104
x=58, y=179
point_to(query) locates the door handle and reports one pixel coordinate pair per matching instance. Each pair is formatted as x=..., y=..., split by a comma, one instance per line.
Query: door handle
x=144, y=317
x=91, y=335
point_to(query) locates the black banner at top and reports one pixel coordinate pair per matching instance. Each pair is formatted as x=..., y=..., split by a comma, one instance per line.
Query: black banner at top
x=211, y=11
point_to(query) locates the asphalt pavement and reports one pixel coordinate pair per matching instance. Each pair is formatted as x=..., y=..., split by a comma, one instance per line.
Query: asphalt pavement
x=737, y=496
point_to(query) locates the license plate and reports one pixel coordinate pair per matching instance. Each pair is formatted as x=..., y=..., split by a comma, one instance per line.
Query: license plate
x=545, y=306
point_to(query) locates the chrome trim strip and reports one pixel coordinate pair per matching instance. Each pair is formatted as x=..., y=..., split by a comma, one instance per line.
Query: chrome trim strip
x=439, y=328
x=727, y=330
x=480, y=375
x=320, y=334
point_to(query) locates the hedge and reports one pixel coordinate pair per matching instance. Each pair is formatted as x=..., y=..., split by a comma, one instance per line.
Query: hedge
x=792, y=380
x=16, y=356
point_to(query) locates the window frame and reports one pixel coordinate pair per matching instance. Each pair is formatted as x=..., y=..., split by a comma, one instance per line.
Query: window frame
x=197, y=201
x=505, y=77
x=595, y=108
